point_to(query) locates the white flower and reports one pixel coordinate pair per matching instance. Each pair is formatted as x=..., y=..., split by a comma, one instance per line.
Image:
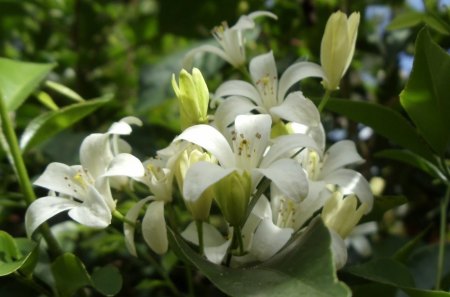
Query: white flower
x=267, y=95
x=249, y=151
x=159, y=179
x=231, y=41
x=83, y=189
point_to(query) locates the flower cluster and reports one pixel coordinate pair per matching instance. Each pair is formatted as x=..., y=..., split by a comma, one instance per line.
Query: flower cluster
x=260, y=158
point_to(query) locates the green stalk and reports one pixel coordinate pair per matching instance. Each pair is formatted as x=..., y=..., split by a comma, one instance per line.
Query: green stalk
x=31, y=283
x=116, y=214
x=199, y=225
x=442, y=238
x=324, y=100
x=22, y=174
x=238, y=237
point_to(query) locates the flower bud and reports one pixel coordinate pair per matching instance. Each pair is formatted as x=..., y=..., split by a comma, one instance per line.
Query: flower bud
x=338, y=46
x=342, y=214
x=193, y=96
x=200, y=207
x=232, y=195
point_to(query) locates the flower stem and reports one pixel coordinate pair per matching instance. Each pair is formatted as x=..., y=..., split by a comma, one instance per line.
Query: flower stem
x=442, y=238
x=22, y=175
x=31, y=283
x=122, y=218
x=199, y=225
x=324, y=100
x=238, y=237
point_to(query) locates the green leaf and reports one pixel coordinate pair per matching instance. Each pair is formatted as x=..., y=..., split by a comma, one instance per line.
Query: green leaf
x=414, y=160
x=381, y=205
x=436, y=23
x=19, y=79
x=425, y=97
x=70, y=274
x=46, y=100
x=406, y=20
x=305, y=265
x=63, y=90
x=50, y=123
x=385, y=121
x=405, y=251
x=17, y=253
x=107, y=280
x=392, y=273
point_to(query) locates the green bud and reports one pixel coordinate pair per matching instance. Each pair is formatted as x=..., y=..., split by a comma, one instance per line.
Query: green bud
x=193, y=96
x=232, y=195
x=199, y=208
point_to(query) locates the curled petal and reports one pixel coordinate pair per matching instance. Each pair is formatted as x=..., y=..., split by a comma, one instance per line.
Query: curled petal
x=269, y=239
x=154, y=228
x=211, y=140
x=296, y=108
x=128, y=229
x=295, y=73
x=230, y=108
x=340, y=154
x=189, y=57
x=289, y=176
x=239, y=88
x=96, y=154
x=352, y=182
x=125, y=165
x=93, y=212
x=201, y=176
x=338, y=249
x=43, y=209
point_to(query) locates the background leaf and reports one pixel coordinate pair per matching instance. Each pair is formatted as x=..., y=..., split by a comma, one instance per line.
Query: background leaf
x=381, y=204
x=107, y=280
x=305, y=265
x=425, y=96
x=385, y=121
x=406, y=20
x=19, y=79
x=47, y=125
x=16, y=254
x=70, y=274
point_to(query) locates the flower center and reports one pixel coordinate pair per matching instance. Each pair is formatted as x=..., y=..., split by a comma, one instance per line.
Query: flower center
x=286, y=213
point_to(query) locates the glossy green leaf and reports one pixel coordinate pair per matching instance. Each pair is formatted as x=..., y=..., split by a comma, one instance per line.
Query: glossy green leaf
x=414, y=160
x=50, y=123
x=382, y=204
x=385, y=121
x=70, y=274
x=405, y=251
x=17, y=253
x=425, y=97
x=107, y=280
x=19, y=79
x=392, y=273
x=305, y=265
x=406, y=20
x=46, y=100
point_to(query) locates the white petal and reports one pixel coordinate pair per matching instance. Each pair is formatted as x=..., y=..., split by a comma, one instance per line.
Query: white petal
x=128, y=229
x=252, y=138
x=340, y=154
x=228, y=110
x=260, y=211
x=361, y=244
x=287, y=145
x=59, y=177
x=296, y=72
x=120, y=128
x=189, y=57
x=211, y=236
x=317, y=196
x=338, y=249
x=244, y=23
x=154, y=228
x=350, y=182
x=44, y=208
x=95, y=154
x=93, y=212
x=125, y=165
x=211, y=140
x=297, y=108
x=201, y=176
x=269, y=239
x=216, y=254
x=260, y=13
x=289, y=176
x=239, y=88
x=263, y=71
